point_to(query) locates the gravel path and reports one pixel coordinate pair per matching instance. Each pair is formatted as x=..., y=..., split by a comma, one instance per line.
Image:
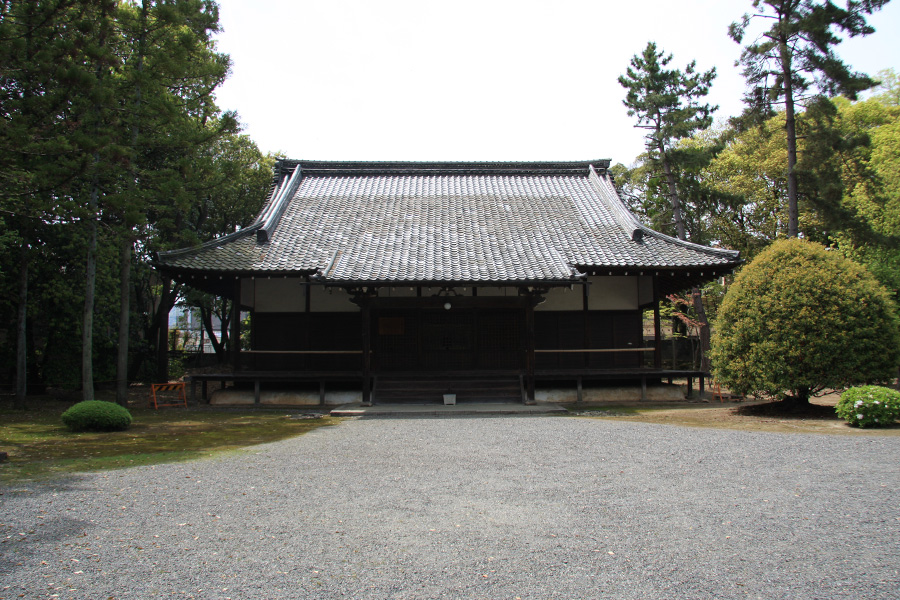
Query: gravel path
x=494, y=508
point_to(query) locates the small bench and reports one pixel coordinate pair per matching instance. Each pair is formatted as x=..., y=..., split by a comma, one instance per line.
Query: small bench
x=179, y=399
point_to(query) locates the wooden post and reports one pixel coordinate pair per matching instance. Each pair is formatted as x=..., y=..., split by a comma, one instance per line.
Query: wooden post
x=657, y=328
x=586, y=323
x=533, y=298
x=303, y=362
x=236, y=326
x=366, y=310
x=307, y=296
x=529, y=351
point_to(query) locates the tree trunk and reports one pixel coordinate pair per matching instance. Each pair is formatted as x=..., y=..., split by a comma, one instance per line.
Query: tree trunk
x=87, y=327
x=696, y=295
x=217, y=343
x=801, y=398
x=673, y=196
x=224, y=332
x=127, y=244
x=21, y=331
x=790, y=124
x=124, y=327
x=87, y=332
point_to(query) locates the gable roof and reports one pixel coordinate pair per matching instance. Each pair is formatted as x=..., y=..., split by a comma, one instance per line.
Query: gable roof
x=419, y=223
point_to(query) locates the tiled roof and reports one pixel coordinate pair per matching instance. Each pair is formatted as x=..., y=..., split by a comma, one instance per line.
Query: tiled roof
x=443, y=222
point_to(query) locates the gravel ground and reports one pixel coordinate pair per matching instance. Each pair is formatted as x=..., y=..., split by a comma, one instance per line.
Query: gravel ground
x=494, y=508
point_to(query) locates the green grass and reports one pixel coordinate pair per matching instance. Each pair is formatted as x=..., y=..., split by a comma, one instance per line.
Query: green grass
x=40, y=446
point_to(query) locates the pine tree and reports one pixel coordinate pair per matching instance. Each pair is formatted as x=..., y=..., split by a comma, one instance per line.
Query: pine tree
x=794, y=59
x=667, y=102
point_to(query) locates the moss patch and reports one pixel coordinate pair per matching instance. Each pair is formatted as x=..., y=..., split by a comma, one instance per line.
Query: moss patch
x=39, y=445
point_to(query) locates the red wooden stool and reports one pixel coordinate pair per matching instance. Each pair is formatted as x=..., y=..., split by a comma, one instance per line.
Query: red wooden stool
x=180, y=398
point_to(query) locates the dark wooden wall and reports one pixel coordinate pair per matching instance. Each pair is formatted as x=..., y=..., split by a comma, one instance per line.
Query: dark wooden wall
x=433, y=339
x=594, y=330
x=306, y=331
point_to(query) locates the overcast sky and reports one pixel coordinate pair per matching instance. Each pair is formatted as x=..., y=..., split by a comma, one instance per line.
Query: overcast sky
x=474, y=79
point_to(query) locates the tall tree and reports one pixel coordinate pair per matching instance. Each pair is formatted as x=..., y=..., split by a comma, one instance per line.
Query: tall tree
x=108, y=114
x=170, y=70
x=668, y=103
x=794, y=59
x=98, y=138
x=37, y=64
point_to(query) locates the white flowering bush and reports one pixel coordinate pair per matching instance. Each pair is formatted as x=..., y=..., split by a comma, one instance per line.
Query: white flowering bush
x=869, y=406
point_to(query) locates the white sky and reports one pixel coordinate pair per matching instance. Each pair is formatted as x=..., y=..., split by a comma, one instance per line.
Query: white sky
x=474, y=79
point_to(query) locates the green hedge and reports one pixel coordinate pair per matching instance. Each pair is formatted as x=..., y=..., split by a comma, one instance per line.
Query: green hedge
x=800, y=319
x=869, y=406
x=96, y=415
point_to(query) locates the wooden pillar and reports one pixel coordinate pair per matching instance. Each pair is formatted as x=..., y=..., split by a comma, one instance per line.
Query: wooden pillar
x=236, y=326
x=657, y=328
x=303, y=361
x=307, y=296
x=586, y=322
x=529, y=351
x=366, y=310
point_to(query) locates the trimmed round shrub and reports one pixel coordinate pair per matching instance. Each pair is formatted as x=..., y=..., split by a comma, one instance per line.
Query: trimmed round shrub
x=97, y=415
x=869, y=406
x=800, y=319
